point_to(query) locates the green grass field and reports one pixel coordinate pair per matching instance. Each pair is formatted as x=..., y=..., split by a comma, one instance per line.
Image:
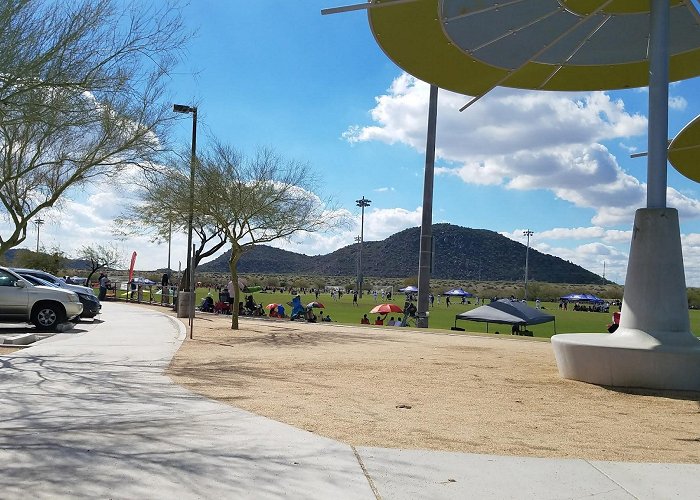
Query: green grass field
x=442, y=317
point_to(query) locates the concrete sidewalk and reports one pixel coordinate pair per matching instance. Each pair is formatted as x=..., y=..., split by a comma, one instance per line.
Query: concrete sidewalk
x=89, y=414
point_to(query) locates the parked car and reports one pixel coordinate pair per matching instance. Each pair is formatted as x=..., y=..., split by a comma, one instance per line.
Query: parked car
x=91, y=304
x=44, y=306
x=53, y=279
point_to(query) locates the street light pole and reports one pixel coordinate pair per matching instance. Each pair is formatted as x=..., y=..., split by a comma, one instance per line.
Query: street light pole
x=357, y=285
x=527, y=233
x=39, y=222
x=180, y=108
x=362, y=203
x=170, y=237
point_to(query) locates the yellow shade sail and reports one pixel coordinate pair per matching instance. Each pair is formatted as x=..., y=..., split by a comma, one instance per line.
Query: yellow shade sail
x=684, y=150
x=471, y=46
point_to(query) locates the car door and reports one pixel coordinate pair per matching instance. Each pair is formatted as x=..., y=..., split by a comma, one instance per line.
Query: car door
x=14, y=299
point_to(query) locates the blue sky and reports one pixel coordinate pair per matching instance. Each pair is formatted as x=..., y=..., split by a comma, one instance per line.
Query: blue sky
x=318, y=89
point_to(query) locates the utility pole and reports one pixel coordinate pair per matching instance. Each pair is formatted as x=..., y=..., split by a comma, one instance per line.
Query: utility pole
x=39, y=222
x=527, y=233
x=362, y=203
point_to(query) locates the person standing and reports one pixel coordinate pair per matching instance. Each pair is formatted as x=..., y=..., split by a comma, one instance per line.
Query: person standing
x=165, y=290
x=103, y=286
x=231, y=293
x=354, y=299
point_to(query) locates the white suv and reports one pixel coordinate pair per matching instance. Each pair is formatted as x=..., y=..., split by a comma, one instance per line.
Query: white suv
x=45, y=306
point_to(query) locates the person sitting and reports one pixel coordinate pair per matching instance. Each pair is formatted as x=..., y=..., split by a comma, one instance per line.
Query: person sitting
x=250, y=304
x=280, y=311
x=379, y=321
x=364, y=320
x=207, y=304
x=391, y=321
x=326, y=318
x=309, y=315
x=398, y=322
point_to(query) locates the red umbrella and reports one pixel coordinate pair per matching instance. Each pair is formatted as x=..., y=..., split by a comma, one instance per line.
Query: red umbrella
x=315, y=304
x=271, y=306
x=386, y=309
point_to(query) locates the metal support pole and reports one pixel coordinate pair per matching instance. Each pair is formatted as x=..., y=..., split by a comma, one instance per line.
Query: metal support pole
x=193, y=299
x=357, y=285
x=170, y=237
x=181, y=108
x=190, y=248
x=527, y=233
x=657, y=170
x=426, y=232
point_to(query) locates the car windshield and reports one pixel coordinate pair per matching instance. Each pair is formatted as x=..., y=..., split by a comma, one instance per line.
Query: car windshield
x=37, y=281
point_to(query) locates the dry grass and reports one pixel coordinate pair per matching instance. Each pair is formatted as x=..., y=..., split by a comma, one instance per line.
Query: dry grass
x=377, y=386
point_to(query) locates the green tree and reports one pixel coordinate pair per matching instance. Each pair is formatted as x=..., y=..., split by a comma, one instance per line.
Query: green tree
x=272, y=282
x=161, y=208
x=51, y=262
x=82, y=93
x=259, y=199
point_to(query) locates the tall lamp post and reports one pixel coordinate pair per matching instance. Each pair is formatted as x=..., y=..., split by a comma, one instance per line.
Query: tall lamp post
x=362, y=203
x=181, y=108
x=357, y=240
x=527, y=233
x=39, y=222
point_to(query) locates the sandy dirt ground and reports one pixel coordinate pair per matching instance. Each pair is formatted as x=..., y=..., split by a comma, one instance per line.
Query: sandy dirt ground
x=402, y=388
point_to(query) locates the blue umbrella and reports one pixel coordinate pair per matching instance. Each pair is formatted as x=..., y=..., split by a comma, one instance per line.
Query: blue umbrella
x=458, y=292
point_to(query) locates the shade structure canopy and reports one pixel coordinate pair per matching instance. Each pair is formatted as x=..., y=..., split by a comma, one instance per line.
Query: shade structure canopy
x=684, y=150
x=409, y=289
x=471, y=46
x=581, y=297
x=457, y=292
x=507, y=312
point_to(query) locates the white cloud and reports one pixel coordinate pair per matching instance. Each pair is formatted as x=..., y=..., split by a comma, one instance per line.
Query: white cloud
x=525, y=140
x=677, y=103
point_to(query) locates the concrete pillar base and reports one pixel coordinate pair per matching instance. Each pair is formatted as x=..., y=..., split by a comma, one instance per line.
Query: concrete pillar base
x=184, y=304
x=653, y=347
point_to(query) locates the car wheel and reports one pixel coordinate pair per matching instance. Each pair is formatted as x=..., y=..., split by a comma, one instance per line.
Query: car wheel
x=47, y=317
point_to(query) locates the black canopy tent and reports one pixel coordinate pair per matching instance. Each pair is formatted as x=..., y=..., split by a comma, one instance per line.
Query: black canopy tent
x=505, y=311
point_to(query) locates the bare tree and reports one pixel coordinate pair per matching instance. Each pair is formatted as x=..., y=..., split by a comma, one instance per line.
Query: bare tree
x=100, y=257
x=81, y=97
x=259, y=200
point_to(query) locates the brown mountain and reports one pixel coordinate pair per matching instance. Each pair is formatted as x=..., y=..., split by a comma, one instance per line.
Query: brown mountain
x=459, y=253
